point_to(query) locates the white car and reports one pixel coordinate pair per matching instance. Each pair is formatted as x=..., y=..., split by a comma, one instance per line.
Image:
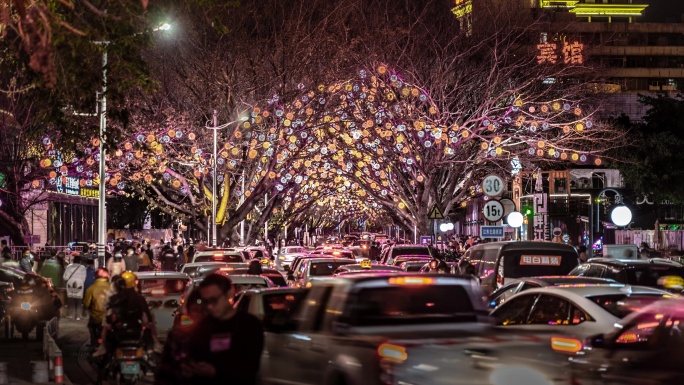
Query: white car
x=223, y=256
x=163, y=291
x=288, y=254
x=580, y=310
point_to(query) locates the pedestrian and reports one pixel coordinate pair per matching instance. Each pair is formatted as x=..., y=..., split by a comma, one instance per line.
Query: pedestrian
x=226, y=346
x=169, y=260
x=131, y=260
x=190, y=254
x=53, y=270
x=255, y=268
x=144, y=260
x=583, y=253
x=95, y=302
x=178, y=342
x=74, y=276
x=116, y=265
x=6, y=253
x=25, y=263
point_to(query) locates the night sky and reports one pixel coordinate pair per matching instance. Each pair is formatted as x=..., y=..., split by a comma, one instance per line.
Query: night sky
x=663, y=10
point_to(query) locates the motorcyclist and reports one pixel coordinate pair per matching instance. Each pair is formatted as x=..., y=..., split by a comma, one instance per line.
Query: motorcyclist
x=37, y=295
x=126, y=317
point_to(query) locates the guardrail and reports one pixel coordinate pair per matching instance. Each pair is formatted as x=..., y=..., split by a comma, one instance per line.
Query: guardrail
x=42, y=252
x=52, y=352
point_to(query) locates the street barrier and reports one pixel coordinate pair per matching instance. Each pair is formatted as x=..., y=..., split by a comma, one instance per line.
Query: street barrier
x=52, y=352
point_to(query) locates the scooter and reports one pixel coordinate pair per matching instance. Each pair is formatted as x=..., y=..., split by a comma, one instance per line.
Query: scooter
x=129, y=362
x=25, y=313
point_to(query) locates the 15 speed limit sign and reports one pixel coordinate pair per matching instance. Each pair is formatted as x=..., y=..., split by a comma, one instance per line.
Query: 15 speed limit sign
x=492, y=185
x=493, y=210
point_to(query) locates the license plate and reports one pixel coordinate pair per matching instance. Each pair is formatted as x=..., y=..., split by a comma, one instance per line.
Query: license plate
x=130, y=368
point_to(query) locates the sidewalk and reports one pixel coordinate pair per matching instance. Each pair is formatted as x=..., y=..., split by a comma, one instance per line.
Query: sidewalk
x=18, y=355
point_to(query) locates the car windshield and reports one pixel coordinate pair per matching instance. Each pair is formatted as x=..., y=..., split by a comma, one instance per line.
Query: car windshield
x=621, y=305
x=292, y=250
x=325, y=268
x=225, y=258
x=411, y=304
x=162, y=286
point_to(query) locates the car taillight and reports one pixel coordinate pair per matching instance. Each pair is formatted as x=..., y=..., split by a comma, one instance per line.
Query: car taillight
x=128, y=353
x=566, y=345
x=158, y=292
x=390, y=355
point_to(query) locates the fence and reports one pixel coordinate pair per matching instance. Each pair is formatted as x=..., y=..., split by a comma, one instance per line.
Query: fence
x=42, y=252
x=52, y=352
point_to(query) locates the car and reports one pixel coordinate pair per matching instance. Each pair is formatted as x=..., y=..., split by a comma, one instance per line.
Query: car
x=225, y=256
x=645, y=272
x=336, y=253
x=413, y=258
x=579, y=310
x=498, y=263
x=507, y=291
x=198, y=269
x=412, y=265
x=398, y=250
x=258, y=252
x=273, y=274
x=241, y=282
x=317, y=267
x=287, y=254
x=642, y=348
x=163, y=291
x=266, y=303
x=364, y=268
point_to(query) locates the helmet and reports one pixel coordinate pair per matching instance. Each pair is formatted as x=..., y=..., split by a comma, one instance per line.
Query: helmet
x=130, y=279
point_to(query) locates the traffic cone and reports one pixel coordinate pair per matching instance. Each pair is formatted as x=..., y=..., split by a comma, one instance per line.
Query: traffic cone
x=59, y=370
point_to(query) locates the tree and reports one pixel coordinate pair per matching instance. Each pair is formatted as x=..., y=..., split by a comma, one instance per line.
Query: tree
x=653, y=166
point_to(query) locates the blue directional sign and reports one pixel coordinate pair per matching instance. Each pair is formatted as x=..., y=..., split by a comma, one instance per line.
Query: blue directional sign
x=491, y=231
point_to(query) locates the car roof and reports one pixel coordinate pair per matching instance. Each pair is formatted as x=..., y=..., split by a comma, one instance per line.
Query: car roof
x=318, y=260
x=161, y=274
x=357, y=266
x=246, y=278
x=567, y=279
x=277, y=289
x=225, y=252
x=405, y=246
x=586, y=290
x=525, y=245
x=635, y=262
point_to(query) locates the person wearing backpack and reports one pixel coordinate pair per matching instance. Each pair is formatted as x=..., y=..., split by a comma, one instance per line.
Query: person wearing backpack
x=74, y=276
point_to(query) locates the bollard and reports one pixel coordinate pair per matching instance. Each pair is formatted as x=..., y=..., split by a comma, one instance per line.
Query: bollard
x=59, y=369
x=39, y=372
x=4, y=379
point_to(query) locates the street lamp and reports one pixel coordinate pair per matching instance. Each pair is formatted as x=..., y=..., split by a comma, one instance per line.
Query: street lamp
x=621, y=216
x=215, y=128
x=102, y=211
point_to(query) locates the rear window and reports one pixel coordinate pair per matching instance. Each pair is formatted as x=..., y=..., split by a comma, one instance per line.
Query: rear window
x=325, y=268
x=621, y=305
x=292, y=250
x=403, y=305
x=650, y=275
x=277, y=279
x=225, y=258
x=535, y=263
x=275, y=303
x=397, y=251
x=252, y=285
x=152, y=287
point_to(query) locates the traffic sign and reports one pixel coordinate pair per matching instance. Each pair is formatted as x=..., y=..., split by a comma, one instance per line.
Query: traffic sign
x=491, y=231
x=492, y=185
x=493, y=210
x=435, y=213
x=426, y=239
x=509, y=206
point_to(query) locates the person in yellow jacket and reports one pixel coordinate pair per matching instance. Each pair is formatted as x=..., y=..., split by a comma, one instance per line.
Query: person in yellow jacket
x=95, y=301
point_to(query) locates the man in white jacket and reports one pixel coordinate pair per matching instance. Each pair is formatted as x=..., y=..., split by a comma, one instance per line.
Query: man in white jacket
x=74, y=277
x=116, y=264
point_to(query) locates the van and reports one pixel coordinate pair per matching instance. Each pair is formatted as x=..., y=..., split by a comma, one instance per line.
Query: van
x=498, y=263
x=620, y=251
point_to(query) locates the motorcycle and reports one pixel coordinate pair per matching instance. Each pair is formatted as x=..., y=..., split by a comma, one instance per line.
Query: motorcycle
x=25, y=313
x=128, y=363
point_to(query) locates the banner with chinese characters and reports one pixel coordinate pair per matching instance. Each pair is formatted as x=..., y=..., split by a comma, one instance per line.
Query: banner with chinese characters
x=541, y=218
x=72, y=186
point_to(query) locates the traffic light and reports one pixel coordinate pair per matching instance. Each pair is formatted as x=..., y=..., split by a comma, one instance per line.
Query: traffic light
x=526, y=211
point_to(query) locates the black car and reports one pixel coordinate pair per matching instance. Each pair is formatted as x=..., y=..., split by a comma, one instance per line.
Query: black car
x=644, y=272
x=404, y=250
x=500, y=296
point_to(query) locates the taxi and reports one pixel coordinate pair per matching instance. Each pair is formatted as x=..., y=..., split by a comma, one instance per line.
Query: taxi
x=364, y=267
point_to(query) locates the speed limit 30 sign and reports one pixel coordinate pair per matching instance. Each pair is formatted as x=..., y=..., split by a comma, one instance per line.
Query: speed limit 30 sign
x=493, y=210
x=492, y=185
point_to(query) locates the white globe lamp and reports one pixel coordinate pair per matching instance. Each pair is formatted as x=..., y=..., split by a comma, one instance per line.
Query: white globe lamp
x=621, y=216
x=515, y=219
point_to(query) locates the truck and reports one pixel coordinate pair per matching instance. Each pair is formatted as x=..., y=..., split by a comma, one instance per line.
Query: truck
x=401, y=329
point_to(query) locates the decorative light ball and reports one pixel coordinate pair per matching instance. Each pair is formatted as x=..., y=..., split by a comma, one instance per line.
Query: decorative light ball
x=621, y=216
x=515, y=219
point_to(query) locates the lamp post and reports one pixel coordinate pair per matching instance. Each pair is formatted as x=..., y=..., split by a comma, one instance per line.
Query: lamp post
x=215, y=127
x=102, y=204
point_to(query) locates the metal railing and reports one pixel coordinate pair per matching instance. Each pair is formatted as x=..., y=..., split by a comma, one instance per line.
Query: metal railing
x=52, y=352
x=42, y=252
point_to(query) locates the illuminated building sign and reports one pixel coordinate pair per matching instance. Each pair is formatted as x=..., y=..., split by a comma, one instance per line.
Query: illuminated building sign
x=462, y=8
x=72, y=186
x=594, y=9
x=572, y=53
